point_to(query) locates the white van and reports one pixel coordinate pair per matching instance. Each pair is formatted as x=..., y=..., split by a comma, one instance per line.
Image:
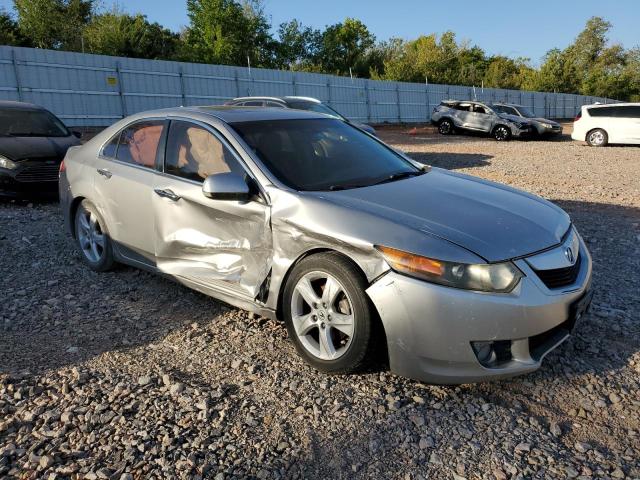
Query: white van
x=599, y=125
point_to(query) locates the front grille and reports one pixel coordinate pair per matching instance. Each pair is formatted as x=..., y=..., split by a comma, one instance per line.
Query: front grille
x=39, y=172
x=560, y=277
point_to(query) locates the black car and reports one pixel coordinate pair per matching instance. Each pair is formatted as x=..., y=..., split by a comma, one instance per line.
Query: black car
x=33, y=142
x=298, y=103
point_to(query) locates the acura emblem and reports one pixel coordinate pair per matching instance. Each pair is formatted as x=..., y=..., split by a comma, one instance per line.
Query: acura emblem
x=569, y=254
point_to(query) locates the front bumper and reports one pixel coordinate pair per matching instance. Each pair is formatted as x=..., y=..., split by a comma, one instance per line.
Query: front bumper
x=31, y=179
x=430, y=328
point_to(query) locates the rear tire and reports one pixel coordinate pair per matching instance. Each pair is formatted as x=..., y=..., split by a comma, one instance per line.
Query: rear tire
x=597, y=138
x=445, y=127
x=92, y=237
x=501, y=133
x=328, y=316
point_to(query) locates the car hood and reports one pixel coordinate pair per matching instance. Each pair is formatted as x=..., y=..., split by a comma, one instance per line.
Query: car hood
x=491, y=220
x=544, y=120
x=19, y=148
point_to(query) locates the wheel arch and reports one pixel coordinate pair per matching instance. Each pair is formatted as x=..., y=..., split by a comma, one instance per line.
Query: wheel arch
x=381, y=348
x=73, y=209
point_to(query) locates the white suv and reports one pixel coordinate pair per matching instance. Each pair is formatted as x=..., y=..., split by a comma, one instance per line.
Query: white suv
x=599, y=125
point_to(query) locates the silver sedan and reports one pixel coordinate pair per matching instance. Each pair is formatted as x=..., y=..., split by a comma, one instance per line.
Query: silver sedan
x=298, y=216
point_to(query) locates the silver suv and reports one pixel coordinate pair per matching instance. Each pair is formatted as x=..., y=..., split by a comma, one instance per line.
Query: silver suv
x=452, y=115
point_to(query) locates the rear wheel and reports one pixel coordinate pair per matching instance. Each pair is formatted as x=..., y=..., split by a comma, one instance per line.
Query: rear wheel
x=328, y=315
x=501, y=133
x=93, y=240
x=597, y=138
x=445, y=127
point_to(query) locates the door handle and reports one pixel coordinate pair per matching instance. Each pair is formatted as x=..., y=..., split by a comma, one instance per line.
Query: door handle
x=166, y=193
x=105, y=173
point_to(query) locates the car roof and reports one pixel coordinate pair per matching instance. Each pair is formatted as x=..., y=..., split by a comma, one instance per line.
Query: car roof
x=9, y=104
x=621, y=104
x=283, y=99
x=235, y=114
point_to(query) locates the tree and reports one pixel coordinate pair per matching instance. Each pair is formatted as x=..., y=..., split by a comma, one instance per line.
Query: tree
x=298, y=46
x=56, y=24
x=504, y=72
x=345, y=47
x=9, y=31
x=226, y=32
x=120, y=34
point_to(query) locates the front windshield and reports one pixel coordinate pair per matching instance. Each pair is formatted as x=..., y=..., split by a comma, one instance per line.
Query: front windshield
x=525, y=112
x=322, y=154
x=504, y=109
x=316, y=107
x=30, y=123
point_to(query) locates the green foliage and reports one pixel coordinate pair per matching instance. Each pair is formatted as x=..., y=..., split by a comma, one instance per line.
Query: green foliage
x=346, y=46
x=298, y=47
x=54, y=23
x=226, y=32
x=117, y=33
x=9, y=32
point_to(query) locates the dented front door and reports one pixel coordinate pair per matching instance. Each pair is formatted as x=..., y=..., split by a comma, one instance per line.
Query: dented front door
x=216, y=243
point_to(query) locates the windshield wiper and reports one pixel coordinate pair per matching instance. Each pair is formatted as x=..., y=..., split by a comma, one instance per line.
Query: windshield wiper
x=347, y=186
x=399, y=176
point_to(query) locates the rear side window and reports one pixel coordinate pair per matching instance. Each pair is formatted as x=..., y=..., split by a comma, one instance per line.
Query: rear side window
x=628, y=112
x=603, y=111
x=465, y=107
x=138, y=143
x=194, y=153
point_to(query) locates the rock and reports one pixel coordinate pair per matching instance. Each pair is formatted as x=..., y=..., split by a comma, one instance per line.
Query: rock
x=614, y=398
x=523, y=447
x=46, y=461
x=555, y=429
x=176, y=388
x=617, y=473
x=435, y=459
x=144, y=380
x=581, y=447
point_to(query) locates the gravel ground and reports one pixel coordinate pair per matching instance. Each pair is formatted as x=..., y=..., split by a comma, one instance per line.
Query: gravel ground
x=129, y=375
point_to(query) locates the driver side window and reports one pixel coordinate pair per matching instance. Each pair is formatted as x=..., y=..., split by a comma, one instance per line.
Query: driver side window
x=194, y=153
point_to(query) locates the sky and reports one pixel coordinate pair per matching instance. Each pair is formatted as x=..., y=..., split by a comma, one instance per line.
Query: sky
x=520, y=29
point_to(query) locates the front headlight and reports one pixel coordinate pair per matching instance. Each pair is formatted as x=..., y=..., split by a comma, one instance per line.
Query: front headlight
x=546, y=125
x=6, y=163
x=490, y=277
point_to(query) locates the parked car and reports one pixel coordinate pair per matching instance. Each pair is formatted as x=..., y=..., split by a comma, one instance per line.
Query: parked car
x=33, y=142
x=299, y=216
x=299, y=103
x=600, y=125
x=452, y=115
x=543, y=126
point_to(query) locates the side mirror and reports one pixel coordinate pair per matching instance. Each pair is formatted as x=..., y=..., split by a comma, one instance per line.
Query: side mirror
x=226, y=186
x=76, y=133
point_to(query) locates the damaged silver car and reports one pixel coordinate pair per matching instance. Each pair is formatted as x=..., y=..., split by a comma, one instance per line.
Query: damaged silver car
x=359, y=249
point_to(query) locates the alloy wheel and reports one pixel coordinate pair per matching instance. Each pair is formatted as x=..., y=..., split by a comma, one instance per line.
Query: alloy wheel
x=90, y=236
x=322, y=315
x=445, y=128
x=501, y=133
x=596, y=138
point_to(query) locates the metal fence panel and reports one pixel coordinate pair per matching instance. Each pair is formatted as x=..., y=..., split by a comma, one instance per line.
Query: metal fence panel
x=97, y=90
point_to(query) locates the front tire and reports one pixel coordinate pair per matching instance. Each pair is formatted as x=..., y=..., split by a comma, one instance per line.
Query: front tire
x=597, y=138
x=501, y=133
x=328, y=316
x=93, y=239
x=445, y=127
